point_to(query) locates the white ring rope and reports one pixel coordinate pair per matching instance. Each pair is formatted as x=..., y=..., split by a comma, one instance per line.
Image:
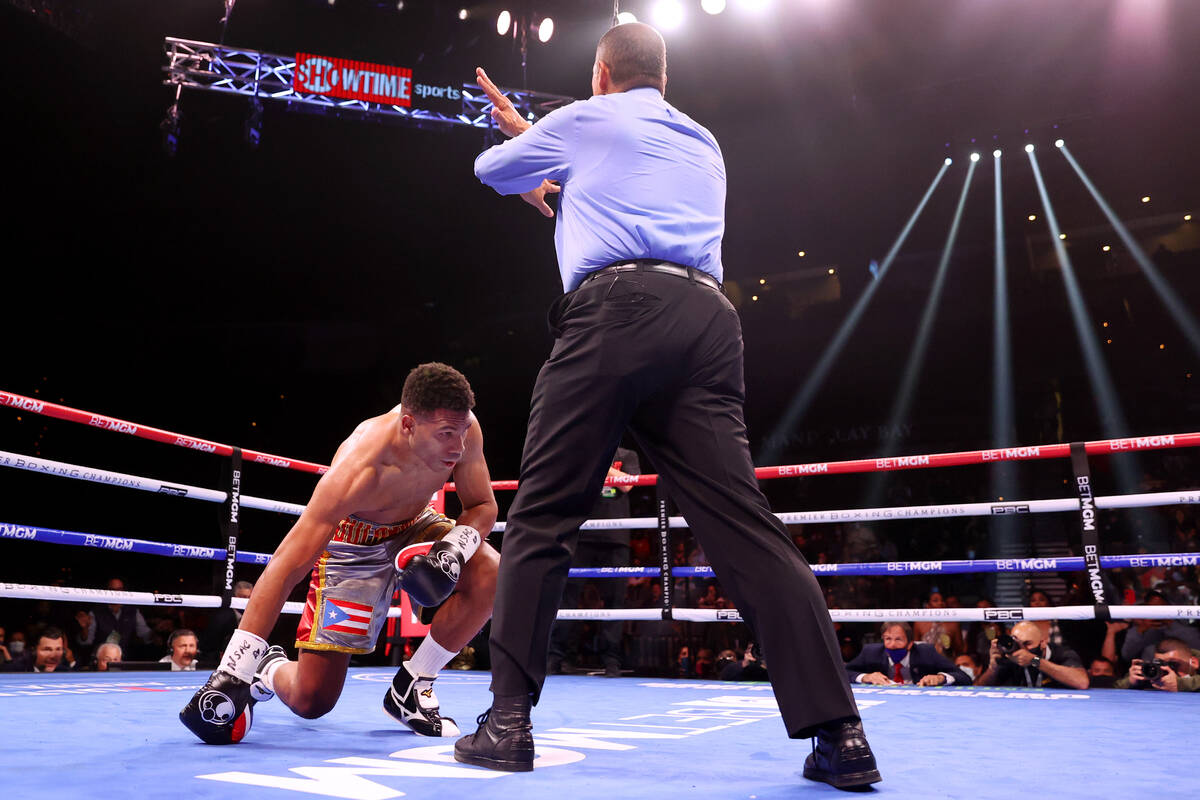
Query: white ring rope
x=61, y=469
x=107, y=596
x=1144, y=499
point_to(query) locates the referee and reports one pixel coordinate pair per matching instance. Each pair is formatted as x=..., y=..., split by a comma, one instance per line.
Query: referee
x=646, y=340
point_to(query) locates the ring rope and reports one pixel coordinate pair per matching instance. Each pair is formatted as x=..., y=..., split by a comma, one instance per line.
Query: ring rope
x=1140, y=500
x=74, y=471
x=26, y=591
x=48, y=409
x=10, y=530
x=961, y=458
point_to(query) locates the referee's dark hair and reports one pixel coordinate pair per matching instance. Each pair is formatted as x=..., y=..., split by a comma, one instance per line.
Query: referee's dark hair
x=636, y=55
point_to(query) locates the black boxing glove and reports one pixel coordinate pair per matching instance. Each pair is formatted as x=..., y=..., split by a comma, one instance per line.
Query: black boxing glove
x=220, y=711
x=429, y=572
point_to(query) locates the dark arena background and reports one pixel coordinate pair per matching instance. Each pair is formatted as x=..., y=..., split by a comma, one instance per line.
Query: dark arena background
x=960, y=236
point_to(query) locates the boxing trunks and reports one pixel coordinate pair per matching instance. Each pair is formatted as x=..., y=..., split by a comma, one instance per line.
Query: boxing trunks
x=354, y=579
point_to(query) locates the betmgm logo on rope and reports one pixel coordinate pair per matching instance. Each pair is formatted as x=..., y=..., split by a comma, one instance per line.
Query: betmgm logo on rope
x=372, y=83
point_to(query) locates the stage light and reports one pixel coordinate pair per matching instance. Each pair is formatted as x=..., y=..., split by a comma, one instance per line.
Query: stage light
x=1146, y=199
x=1062, y=236
x=762, y=281
x=948, y=161
x=801, y=254
x=1104, y=324
x=1004, y=426
x=463, y=13
x=754, y=297
x=667, y=14
x=1162, y=347
x=1028, y=148
x=1032, y=217
x=399, y=5
x=545, y=30
x=625, y=17
x=974, y=157
x=503, y=21
x=1106, y=248
x=831, y=270
x=1059, y=143
x=712, y=6
x=996, y=153
x=1187, y=217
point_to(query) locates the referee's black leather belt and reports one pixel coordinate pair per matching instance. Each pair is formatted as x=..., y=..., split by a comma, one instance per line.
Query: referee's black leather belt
x=665, y=267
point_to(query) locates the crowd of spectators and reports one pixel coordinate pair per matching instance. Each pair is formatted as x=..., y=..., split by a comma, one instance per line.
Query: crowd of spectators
x=60, y=637
x=1140, y=653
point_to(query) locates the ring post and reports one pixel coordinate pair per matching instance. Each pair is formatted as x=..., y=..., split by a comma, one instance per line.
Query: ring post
x=664, y=549
x=1089, y=538
x=231, y=483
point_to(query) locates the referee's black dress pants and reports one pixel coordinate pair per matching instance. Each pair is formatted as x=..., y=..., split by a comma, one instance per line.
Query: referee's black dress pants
x=661, y=355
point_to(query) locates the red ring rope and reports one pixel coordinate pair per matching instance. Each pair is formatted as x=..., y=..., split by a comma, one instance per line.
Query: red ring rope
x=965, y=457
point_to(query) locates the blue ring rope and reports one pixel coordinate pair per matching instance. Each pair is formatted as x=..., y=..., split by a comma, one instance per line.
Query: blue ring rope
x=10, y=530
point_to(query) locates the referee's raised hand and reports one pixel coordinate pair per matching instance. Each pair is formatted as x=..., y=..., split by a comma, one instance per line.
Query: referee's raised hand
x=504, y=112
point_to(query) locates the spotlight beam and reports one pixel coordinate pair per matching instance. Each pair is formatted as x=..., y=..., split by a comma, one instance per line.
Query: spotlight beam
x=916, y=356
x=777, y=441
x=1112, y=419
x=1004, y=425
x=1178, y=311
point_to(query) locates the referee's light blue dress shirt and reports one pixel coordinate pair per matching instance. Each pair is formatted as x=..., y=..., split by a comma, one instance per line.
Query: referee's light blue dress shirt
x=639, y=179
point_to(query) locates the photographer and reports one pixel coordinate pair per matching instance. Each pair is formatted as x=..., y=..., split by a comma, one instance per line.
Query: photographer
x=750, y=668
x=1023, y=658
x=1173, y=669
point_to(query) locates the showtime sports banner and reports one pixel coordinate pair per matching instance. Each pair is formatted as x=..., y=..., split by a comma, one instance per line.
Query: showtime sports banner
x=372, y=83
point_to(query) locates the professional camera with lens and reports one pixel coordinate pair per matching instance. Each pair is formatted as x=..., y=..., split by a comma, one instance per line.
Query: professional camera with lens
x=1007, y=644
x=1153, y=670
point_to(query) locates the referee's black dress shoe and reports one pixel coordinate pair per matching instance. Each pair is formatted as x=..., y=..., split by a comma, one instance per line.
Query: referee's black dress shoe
x=841, y=757
x=504, y=740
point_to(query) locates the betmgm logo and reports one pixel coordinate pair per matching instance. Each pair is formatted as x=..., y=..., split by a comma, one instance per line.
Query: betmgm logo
x=1003, y=614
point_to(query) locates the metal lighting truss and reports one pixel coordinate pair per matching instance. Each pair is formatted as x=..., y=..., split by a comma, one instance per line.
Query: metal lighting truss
x=266, y=76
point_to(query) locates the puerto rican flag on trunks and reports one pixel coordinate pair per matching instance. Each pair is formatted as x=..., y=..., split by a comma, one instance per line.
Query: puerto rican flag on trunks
x=343, y=616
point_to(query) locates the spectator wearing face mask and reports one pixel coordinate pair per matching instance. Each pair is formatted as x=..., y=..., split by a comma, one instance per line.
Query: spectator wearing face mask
x=1102, y=673
x=901, y=660
x=969, y=663
x=15, y=644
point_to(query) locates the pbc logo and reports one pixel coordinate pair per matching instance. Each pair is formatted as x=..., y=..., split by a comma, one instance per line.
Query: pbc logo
x=1013, y=508
x=1003, y=614
x=168, y=599
x=724, y=615
x=172, y=490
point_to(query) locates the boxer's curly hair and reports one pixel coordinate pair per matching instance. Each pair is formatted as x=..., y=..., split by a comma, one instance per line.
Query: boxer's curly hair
x=434, y=386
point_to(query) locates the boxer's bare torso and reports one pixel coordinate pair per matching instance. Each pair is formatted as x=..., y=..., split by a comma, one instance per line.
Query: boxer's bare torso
x=393, y=478
x=386, y=471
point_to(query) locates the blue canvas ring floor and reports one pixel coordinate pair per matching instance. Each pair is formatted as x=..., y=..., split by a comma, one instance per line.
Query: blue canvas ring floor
x=117, y=735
